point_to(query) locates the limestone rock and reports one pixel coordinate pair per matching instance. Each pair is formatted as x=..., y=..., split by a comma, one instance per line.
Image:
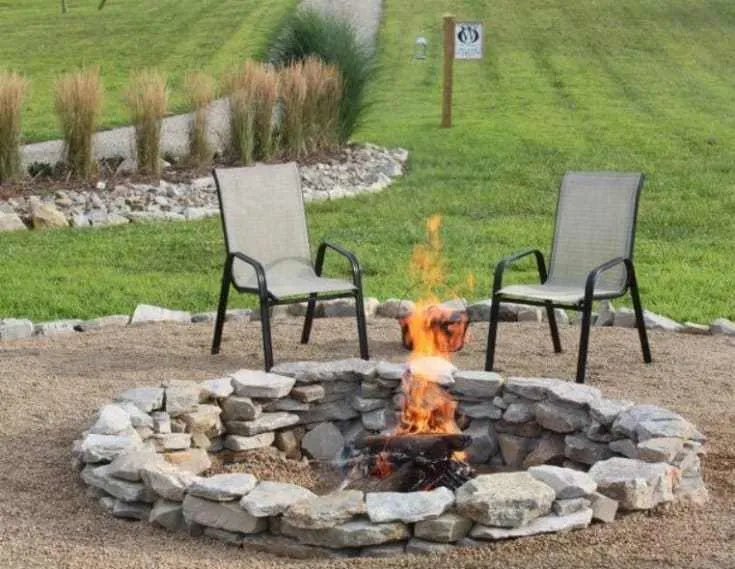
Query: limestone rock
x=550, y=448
x=561, y=418
x=515, y=449
x=148, y=313
x=266, y=422
x=56, y=327
x=47, y=216
x=260, y=384
x=420, y=547
x=291, y=548
x=324, y=442
x=447, y=528
x=433, y=368
x=168, y=482
x=194, y=460
x=353, y=369
x=131, y=510
x=228, y=516
x=235, y=442
x=569, y=506
x=634, y=484
x=11, y=222
x=15, y=329
x=581, y=449
x=565, y=482
x=168, y=515
x=479, y=410
x=104, y=448
x=603, y=508
x=365, y=405
x=662, y=449
x=111, y=321
x=100, y=477
x=377, y=420
x=129, y=463
x=219, y=388
x=476, y=384
x=518, y=413
x=326, y=511
x=722, y=326
x=182, y=397
x=308, y=393
x=171, y=441
x=236, y=408
x=408, y=507
x=484, y=444
x=546, y=524
x=273, y=498
x=391, y=371
x=642, y=422
x=110, y=420
x=205, y=420
x=505, y=499
x=357, y=533
x=223, y=487
x=147, y=399
x=605, y=411
x=334, y=411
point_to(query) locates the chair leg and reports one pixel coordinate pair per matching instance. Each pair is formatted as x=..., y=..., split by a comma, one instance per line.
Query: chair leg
x=551, y=317
x=492, y=334
x=584, y=338
x=639, y=319
x=221, y=311
x=265, y=326
x=310, y=308
x=361, y=325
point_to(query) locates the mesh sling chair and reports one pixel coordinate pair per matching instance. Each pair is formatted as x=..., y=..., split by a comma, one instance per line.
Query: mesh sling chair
x=268, y=250
x=591, y=258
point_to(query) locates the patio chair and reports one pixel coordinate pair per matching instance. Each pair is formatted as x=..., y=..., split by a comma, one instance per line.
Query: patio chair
x=268, y=251
x=591, y=258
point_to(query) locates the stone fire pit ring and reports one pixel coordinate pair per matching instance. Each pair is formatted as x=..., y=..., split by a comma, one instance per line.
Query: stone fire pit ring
x=561, y=456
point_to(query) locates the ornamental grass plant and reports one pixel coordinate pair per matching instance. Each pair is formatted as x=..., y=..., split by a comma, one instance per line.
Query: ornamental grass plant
x=13, y=88
x=200, y=92
x=147, y=99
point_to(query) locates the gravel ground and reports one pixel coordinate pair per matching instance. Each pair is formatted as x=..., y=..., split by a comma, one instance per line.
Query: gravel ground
x=49, y=388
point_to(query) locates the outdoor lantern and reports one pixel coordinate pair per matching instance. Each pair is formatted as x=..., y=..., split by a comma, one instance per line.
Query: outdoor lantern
x=419, y=51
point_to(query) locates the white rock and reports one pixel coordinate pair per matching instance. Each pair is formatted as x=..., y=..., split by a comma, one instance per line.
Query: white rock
x=224, y=515
x=223, y=487
x=273, y=498
x=15, y=329
x=110, y=420
x=565, y=482
x=408, y=507
x=149, y=313
x=237, y=443
x=634, y=484
x=259, y=384
x=104, y=448
x=546, y=524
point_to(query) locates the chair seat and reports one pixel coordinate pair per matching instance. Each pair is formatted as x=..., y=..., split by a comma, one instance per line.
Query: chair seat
x=558, y=294
x=294, y=277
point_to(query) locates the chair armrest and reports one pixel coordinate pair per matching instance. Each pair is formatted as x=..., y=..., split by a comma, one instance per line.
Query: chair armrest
x=589, y=287
x=256, y=265
x=506, y=261
x=354, y=263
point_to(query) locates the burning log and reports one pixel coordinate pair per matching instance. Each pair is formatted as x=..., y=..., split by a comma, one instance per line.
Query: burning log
x=429, y=445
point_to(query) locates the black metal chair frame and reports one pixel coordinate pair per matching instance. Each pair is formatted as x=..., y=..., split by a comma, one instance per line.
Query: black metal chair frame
x=267, y=301
x=584, y=306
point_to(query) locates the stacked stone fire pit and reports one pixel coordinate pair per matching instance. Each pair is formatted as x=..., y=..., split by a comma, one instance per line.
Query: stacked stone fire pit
x=550, y=456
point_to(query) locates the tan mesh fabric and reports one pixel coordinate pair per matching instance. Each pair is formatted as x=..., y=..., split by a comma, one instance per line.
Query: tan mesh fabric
x=595, y=223
x=556, y=294
x=263, y=213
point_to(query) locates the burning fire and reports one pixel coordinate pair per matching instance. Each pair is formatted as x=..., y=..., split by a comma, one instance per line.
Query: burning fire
x=434, y=334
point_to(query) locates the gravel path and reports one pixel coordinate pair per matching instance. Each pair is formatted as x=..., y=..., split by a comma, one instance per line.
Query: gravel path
x=50, y=387
x=365, y=18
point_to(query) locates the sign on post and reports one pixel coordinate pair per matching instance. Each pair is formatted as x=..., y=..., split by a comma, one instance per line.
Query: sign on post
x=468, y=40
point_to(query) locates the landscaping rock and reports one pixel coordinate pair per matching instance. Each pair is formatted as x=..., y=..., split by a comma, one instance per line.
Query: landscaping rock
x=308, y=393
x=104, y=448
x=287, y=547
x=517, y=413
x=273, y=498
x=168, y=515
x=131, y=510
x=237, y=443
x=147, y=399
x=204, y=420
x=515, y=449
x=642, y=422
x=56, y=327
x=479, y=410
x=505, y=499
x=266, y=422
x=193, y=460
x=11, y=222
x=171, y=441
x=287, y=404
x=695, y=329
x=549, y=448
x=236, y=408
x=484, y=443
x=100, y=477
x=605, y=314
x=15, y=329
x=565, y=482
x=353, y=369
x=603, y=508
x=110, y=420
x=289, y=443
x=659, y=449
x=476, y=384
x=147, y=313
x=223, y=487
x=420, y=547
x=395, y=308
x=408, y=507
x=364, y=405
x=182, y=397
x=569, y=506
x=129, y=463
x=722, y=326
x=357, y=533
x=605, y=411
x=376, y=420
x=161, y=422
x=634, y=484
x=546, y=524
x=447, y=528
x=324, y=442
x=391, y=371
x=169, y=483
x=228, y=516
x=260, y=384
x=581, y=449
x=219, y=388
x=335, y=411
x=560, y=418
x=47, y=216
x=326, y=511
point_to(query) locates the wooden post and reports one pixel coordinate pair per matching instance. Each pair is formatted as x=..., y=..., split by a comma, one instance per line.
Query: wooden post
x=448, y=71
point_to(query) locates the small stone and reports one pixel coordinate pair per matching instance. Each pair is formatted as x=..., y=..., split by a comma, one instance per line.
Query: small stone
x=476, y=384
x=569, y=506
x=129, y=464
x=266, y=422
x=111, y=420
x=634, y=484
x=408, y=507
x=104, y=448
x=561, y=418
x=357, y=533
x=515, y=449
x=518, y=413
x=549, y=448
x=168, y=515
x=219, y=388
x=223, y=515
x=447, y=528
x=420, y=547
x=237, y=443
x=565, y=482
x=484, y=444
x=326, y=511
x=223, y=487
x=131, y=510
x=545, y=524
x=324, y=442
x=99, y=477
x=147, y=313
x=273, y=498
x=15, y=329
x=308, y=393
x=581, y=449
x=168, y=482
x=660, y=449
x=182, y=397
x=603, y=508
x=147, y=399
x=260, y=384
x=194, y=460
x=236, y=408
x=161, y=422
x=172, y=441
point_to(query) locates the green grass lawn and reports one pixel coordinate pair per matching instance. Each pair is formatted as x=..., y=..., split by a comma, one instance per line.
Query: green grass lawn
x=629, y=85
x=173, y=35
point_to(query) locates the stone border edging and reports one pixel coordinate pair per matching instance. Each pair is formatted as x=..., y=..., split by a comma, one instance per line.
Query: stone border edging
x=143, y=455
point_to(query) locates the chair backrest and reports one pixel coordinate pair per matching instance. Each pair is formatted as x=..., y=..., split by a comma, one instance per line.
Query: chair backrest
x=263, y=216
x=595, y=222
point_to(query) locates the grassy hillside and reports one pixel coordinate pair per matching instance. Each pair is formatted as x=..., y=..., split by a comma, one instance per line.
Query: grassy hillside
x=174, y=35
x=629, y=85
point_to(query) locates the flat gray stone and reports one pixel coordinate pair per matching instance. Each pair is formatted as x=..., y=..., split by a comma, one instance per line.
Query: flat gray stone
x=110, y=420
x=111, y=321
x=515, y=449
x=484, y=443
x=534, y=388
x=579, y=448
x=383, y=551
x=291, y=548
x=433, y=368
x=353, y=369
x=662, y=449
x=128, y=464
x=260, y=384
x=658, y=322
x=228, y=537
x=194, y=460
x=447, y=528
x=561, y=418
x=286, y=404
x=642, y=422
x=606, y=411
x=518, y=413
x=182, y=397
x=236, y=442
x=391, y=371
x=408, y=507
x=530, y=314
x=480, y=410
x=357, y=533
x=148, y=313
x=168, y=515
x=131, y=510
x=326, y=511
x=273, y=498
x=308, y=393
x=168, y=482
x=506, y=499
x=99, y=477
x=634, y=484
x=236, y=408
x=334, y=411
x=324, y=442
x=722, y=327
x=104, y=448
x=171, y=441
x=56, y=327
x=567, y=483
x=476, y=384
x=570, y=505
x=420, y=547
x=223, y=487
x=265, y=423
x=364, y=405
x=228, y=516
x=377, y=420
x=219, y=388
x=550, y=447
x=573, y=394
x=545, y=524
x=15, y=329
x=137, y=417
x=603, y=508
x=147, y=399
